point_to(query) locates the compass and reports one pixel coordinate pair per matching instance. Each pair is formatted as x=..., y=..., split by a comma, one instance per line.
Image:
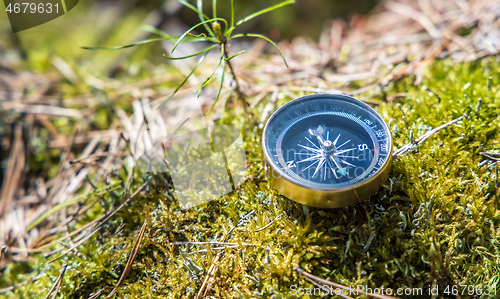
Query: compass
x=327, y=150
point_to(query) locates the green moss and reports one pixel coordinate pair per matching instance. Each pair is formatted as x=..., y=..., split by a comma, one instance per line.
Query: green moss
x=435, y=222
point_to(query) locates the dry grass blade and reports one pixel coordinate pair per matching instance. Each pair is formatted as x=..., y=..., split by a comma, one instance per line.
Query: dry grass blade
x=97, y=294
x=14, y=170
x=207, y=283
x=57, y=285
x=205, y=287
x=43, y=109
x=336, y=285
x=41, y=248
x=100, y=225
x=415, y=15
x=70, y=202
x=130, y=261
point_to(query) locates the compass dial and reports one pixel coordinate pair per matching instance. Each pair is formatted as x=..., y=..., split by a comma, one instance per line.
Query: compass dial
x=327, y=142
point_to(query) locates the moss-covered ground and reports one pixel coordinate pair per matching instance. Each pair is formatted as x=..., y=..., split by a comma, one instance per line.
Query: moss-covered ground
x=436, y=222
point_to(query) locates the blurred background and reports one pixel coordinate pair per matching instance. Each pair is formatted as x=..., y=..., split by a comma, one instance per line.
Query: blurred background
x=54, y=49
x=119, y=22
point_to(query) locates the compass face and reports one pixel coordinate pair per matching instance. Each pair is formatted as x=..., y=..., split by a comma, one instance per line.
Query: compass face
x=326, y=141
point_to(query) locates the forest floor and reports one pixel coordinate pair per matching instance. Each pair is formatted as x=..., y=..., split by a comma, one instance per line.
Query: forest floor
x=77, y=221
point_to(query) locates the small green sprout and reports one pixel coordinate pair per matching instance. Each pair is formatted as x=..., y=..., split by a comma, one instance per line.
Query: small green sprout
x=216, y=34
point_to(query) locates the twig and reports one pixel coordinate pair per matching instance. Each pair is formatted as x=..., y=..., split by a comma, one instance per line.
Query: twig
x=267, y=225
x=97, y=294
x=490, y=156
x=207, y=283
x=205, y=243
x=329, y=290
x=242, y=219
x=70, y=234
x=339, y=286
x=217, y=248
x=97, y=156
x=130, y=261
x=417, y=141
x=120, y=228
x=57, y=285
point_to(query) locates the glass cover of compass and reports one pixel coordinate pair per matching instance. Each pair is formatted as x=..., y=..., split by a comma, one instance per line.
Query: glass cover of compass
x=327, y=150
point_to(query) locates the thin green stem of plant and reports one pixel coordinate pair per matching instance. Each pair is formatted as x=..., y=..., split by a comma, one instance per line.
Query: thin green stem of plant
x=212, y=74
x=220, y=88
x=232, y=13
x=188, y=76
x=238, y=91
x=214, y=8
x=217, y=36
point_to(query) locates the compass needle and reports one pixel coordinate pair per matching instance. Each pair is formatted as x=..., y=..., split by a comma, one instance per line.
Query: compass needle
x=311, y=149
x=345, y=162
x=343, y=144
x=310, y=158
x=310, y=165
x=350, y=157
x=321, y=162
x=337, y=139
x=326, y=150
x=332, y=169
x=312, y=143
x=334, y=161
x=344, y=151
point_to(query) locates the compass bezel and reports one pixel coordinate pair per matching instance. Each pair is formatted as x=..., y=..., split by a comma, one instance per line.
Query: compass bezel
x=326, y=196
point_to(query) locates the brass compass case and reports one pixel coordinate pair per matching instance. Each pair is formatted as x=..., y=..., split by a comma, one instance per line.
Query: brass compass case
x=327, y=150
